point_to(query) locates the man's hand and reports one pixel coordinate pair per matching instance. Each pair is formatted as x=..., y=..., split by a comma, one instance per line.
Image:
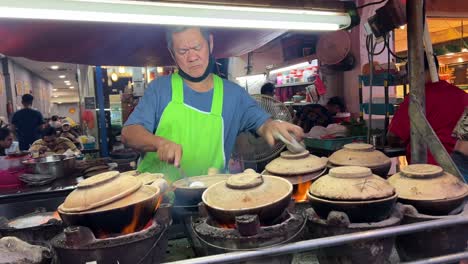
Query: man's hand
x=270, y=127
x=169, y=151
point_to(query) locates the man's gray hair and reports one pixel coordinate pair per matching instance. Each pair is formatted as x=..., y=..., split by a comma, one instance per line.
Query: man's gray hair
x=171, y=30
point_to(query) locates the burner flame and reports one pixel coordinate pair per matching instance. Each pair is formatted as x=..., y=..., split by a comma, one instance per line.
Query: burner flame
x=227, y=226
x=301, y=189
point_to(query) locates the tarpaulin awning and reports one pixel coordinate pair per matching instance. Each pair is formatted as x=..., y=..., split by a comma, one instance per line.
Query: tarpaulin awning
x=112, y=44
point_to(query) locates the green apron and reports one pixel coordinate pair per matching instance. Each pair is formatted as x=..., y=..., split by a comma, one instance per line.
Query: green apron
x=201, y=134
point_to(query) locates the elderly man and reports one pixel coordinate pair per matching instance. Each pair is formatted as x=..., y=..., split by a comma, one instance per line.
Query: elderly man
x=191, y=119
x=51, y=144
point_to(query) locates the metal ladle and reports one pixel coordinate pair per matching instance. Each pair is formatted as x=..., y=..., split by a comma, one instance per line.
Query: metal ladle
x=293, y=146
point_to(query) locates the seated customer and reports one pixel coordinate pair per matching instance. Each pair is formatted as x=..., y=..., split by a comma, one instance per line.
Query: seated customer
x=336, y=105
x=51, y=144
x=6, y=140
x=68, y=133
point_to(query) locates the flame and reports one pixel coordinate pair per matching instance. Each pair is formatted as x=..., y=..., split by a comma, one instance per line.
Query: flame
x=300, y=194
x=227, y=226
x=130, y=228
x=56, y=215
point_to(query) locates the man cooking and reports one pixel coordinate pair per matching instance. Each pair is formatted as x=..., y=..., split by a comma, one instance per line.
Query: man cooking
x=191, y=119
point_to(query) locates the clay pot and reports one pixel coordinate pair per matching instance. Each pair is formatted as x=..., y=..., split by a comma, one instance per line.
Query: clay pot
x=248, y=193
x=354, y=190
x=429, y=189
x=110, y=204
x=296, y=164
x=364, y=155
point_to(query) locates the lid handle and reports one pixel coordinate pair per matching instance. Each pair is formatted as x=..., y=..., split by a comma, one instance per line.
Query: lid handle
x=247, y=180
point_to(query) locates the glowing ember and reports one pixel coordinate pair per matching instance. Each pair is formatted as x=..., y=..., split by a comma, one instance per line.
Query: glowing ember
x=300, y=191
x=130, y=228
x=227, y=226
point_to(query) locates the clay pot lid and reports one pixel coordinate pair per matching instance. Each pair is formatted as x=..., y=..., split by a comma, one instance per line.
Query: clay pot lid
x=294, y=164
x=100, y=190
x=359, y=154
x=427, y=182
x=247, y=190
x=351, y=183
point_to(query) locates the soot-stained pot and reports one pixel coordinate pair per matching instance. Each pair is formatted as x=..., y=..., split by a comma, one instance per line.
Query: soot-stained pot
x=110, y=204
x=364, y=155
x=429, y=189
x=248, y=193
x=354, y=190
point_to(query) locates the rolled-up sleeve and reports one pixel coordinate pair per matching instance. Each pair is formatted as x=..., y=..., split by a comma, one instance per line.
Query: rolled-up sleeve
x=253, y=116
x=145, y=113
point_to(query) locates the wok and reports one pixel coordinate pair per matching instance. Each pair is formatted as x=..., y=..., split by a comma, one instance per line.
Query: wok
x=56, y=165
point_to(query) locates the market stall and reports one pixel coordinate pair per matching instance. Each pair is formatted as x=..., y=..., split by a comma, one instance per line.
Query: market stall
x=342, y=207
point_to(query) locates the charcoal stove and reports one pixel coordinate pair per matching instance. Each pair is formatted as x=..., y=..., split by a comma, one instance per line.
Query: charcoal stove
x=374, y=251
x=39, y=226
x=247, y=234
x=77, y=244
x=432, y=243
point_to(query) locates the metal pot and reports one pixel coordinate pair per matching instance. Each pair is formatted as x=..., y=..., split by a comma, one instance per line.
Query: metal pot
x=186, y=195
x=56, y=165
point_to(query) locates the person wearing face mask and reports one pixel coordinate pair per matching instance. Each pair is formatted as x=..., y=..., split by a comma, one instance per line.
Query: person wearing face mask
x=189, y=121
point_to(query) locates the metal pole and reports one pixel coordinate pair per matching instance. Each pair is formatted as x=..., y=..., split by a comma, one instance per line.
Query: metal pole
x=442, y=259
x=414, y=11
x=80, y=99
x=102, y=113
x=312, y=244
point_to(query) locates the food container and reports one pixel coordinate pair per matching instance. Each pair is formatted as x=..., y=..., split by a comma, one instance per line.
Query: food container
x=110, y=204
x=429, y=189
x=56, y=165
x=354, y=190
x=189, y=191
x=361, y=154
x=248, y=193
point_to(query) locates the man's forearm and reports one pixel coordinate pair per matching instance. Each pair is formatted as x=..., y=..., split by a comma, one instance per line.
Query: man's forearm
x=138, y=138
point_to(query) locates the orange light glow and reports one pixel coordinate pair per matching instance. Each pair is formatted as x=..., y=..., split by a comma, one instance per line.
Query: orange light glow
x=56, y=215
x=130, y=228
x=227, y=226
x=300, y=194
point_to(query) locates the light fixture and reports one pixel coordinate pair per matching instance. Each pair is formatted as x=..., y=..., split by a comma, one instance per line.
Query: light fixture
x=464, y=50
x=62, y=76
x=295, y=66
x=402, y=27
x=160, y=13
x=54, y=90
x=121, y=69
x=59, y=102
x=55, y=96
x=68, y=84
x=66, y=81
x=114, y=77
x=72, y=87
x=159, y=70
x=53, y=67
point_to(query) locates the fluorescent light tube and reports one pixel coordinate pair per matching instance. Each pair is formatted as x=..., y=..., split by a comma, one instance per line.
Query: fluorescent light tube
x=139, y=12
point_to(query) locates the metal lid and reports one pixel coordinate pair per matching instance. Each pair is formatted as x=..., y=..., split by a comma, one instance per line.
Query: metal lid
x=427, y=182
x=359, y=154
x=100, y=190
x=246, y=190
x=293, y=164
x=351, y=183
